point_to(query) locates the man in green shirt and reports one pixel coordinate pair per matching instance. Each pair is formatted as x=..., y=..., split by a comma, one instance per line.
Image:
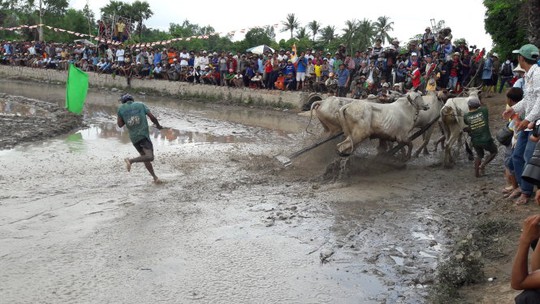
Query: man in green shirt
x=477, y=120
x=133, y=116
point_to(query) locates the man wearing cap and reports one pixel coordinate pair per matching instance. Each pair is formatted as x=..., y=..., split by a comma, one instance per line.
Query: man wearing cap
x=477, y=121
x=529, y=109
x=133, y=116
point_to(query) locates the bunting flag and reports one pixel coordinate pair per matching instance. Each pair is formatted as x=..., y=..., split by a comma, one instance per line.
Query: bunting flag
x=163, y=42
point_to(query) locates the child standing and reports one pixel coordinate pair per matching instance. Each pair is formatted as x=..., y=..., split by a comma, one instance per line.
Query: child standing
x=477, y=120
x=513, y=96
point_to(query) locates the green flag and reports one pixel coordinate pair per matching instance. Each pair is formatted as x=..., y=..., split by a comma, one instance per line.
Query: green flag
x=76, y=89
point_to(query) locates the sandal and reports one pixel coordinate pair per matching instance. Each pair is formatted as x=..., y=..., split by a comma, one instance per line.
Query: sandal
x=522, y=200
x=514, y=194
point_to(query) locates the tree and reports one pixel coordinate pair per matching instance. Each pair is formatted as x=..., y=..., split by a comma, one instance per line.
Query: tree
x=506, y=22
x=533, y=21
x=364, y=35
x=301, y=33
x=290, y=24
x=257, y=36
x=382, y=28
x=349, y=32
x=328, y=34
x=115, y=8
x=140, y=11
x=314, y=27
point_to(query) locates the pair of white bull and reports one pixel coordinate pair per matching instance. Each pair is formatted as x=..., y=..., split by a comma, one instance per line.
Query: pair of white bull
x=360, y=119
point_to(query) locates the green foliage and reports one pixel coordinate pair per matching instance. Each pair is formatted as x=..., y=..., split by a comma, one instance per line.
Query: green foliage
x=504, y=21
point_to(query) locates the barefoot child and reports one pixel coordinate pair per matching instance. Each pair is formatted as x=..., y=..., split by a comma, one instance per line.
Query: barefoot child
x=477, y=120
x=513, y=96
x=133, y=116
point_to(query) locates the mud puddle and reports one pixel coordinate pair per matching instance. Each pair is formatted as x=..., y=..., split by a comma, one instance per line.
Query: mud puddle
x=228, y=225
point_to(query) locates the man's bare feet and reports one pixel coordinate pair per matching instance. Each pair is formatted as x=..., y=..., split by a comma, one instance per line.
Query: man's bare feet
x=522, y=200
x=128, y=164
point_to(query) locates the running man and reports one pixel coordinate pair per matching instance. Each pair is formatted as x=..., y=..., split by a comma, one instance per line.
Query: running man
x=133, y=116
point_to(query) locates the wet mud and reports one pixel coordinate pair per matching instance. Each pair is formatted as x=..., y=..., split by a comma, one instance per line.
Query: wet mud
x=26, y=120
x=230, y=223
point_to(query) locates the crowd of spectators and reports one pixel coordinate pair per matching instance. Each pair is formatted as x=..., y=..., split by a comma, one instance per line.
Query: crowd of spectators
x=432, y=62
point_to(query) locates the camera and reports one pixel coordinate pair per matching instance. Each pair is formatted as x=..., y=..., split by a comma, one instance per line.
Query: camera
x=472, y=47
x=531, y=173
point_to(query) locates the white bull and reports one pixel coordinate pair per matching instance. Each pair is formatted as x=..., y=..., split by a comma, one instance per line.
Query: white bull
x=394, y=121
x=327, y=112
x=435, y=102
x=452, y=124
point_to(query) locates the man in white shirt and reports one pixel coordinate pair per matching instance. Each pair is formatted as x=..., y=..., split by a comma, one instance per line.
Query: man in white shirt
x=528, y=109
x=184, y=57
x=120, y=55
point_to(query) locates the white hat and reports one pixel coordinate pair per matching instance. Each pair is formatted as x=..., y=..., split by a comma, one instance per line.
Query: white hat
x=495, y=55
x=414, y=54
x=519, y=69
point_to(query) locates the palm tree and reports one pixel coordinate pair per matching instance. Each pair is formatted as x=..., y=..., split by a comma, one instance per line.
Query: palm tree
x=140, y=11
x=349, y=33
x=364, y=34
x=314, y=27
x=382, y=27
x=301, y=33
x=328, y=34
x=290, y=24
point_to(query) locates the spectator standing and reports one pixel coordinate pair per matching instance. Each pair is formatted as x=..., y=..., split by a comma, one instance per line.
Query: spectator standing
x=342, y=80
x=506, y=73
x=487, y=74
x=454, y=68
x=530, y=110
x=301, y=69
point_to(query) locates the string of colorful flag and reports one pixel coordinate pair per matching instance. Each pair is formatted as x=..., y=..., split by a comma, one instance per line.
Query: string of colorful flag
x=144, y=44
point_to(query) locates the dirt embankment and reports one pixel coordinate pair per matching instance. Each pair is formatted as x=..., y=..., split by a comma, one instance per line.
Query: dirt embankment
x=25, y=120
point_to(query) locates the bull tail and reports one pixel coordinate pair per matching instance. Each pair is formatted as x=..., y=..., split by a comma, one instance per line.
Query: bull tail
x=314, y=106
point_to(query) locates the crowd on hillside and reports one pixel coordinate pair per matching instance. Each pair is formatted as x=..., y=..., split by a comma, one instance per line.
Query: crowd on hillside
x=433, y=61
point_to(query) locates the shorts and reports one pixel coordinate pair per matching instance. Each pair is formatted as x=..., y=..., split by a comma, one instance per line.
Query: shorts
x=300, y=76
x=490, y=147
x=487, y=82
x=143, y=144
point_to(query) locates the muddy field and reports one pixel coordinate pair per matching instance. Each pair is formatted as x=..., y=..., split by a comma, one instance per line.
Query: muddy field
x=230, y=223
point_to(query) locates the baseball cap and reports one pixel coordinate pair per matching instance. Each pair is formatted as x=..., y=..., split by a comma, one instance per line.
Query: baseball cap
x=529, y=51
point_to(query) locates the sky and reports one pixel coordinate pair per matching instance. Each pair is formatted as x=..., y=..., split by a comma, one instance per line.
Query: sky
x=464, y=17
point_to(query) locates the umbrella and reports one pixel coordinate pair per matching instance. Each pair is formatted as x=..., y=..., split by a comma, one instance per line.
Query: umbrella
x=260, y=49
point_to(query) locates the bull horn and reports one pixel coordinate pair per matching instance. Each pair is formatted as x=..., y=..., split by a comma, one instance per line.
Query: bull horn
x=409, y=98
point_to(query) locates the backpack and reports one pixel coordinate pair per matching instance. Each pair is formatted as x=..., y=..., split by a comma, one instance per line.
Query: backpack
x=507, y=70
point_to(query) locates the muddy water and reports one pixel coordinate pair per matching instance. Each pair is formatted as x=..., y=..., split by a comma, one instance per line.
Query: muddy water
x=228, y=225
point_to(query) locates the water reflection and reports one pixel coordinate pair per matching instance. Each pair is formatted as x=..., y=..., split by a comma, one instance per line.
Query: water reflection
x=108, y=130
x=106, y=104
